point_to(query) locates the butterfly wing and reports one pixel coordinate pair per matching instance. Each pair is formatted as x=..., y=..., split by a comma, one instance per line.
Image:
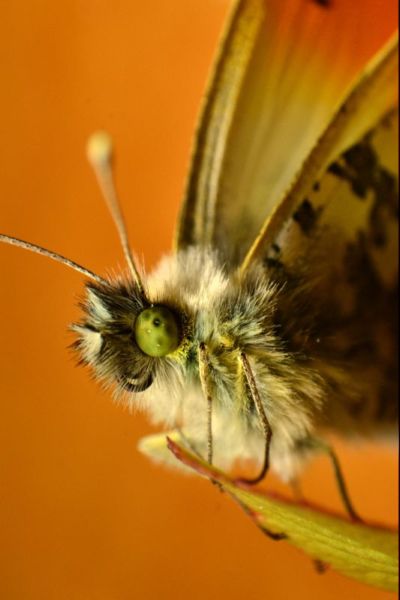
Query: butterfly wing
x=372, y=97
x=355, y=198
x=338, y=256
x=332, y=240
x=282, y=69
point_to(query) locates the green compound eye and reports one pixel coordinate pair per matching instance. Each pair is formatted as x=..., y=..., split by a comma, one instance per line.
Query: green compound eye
x=156, y=331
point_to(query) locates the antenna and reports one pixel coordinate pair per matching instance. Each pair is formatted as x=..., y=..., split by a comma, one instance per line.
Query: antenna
x=99, y=152
x=7, y=239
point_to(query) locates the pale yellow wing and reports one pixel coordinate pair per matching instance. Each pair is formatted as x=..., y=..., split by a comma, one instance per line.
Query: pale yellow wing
x=282, y=70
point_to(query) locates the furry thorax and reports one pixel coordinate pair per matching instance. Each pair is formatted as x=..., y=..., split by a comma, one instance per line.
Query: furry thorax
x=229, y=314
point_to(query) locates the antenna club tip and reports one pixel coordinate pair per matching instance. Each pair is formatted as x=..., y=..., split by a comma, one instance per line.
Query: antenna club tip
x=99, y=147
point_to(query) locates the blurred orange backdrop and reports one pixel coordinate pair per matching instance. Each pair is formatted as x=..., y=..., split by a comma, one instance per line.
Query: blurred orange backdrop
x=83, y=515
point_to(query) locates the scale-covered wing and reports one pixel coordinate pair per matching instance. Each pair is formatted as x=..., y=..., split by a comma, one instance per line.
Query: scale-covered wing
x=282, y=70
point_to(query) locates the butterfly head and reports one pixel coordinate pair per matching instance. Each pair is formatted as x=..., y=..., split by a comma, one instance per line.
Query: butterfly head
x=123, y=335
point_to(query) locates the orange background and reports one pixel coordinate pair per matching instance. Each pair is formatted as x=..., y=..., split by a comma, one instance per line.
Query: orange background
x=82, y=514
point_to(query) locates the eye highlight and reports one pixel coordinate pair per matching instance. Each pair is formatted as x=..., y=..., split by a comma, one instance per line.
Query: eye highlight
x=157, y=331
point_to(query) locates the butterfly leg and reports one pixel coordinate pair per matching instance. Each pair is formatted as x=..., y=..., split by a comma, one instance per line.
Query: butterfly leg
x=273, y=535
x=204, y=379
x=344, y=494
x=205, y=384
x=263, y=418
x=296, y=489
x=320, y=566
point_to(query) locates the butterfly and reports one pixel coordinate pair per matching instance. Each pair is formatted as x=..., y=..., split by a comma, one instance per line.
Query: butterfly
x=273, y=320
